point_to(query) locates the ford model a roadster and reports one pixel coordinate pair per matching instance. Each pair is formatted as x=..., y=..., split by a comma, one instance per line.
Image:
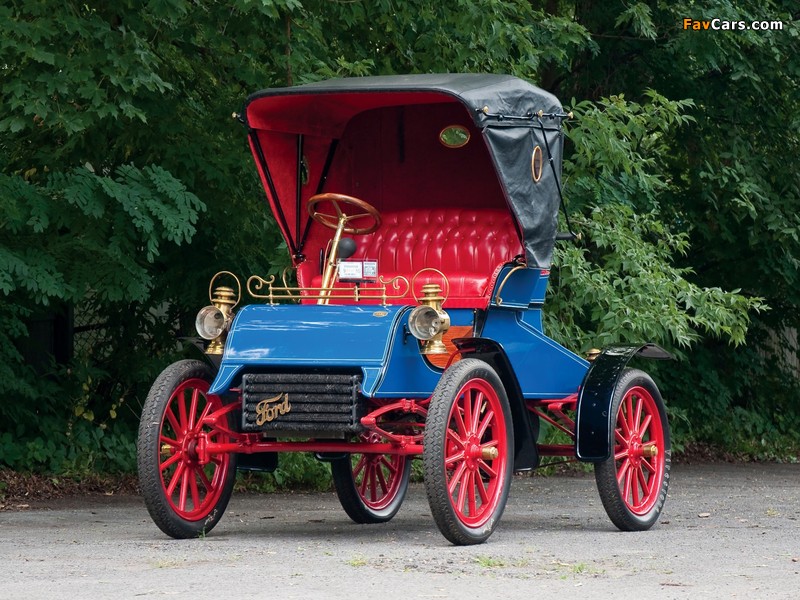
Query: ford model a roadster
x=420, y=213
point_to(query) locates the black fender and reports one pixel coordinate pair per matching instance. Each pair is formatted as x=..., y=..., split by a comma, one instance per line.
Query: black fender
x=593, y=414
x=526, y=457
x=195, y=347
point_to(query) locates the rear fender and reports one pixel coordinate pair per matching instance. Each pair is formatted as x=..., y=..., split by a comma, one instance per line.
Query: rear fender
x=525, y=455
x=593, y=420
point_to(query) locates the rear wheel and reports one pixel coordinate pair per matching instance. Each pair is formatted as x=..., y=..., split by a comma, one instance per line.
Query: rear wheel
x=633, y=482
x=371, y=487
x=467, y=454
x=184, y=496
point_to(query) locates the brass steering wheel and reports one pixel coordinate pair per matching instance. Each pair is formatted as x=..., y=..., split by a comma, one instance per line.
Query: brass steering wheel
x=334, y=221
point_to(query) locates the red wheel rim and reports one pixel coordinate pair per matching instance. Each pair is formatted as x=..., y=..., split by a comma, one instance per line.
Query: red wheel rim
x=475, y=453
x=378, y=478
x=639, y=450
x=192, y=489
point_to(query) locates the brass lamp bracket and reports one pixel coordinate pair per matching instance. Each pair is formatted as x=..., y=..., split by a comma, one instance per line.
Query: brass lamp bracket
x=497, y=297
x=432, y=297
x=224, y=298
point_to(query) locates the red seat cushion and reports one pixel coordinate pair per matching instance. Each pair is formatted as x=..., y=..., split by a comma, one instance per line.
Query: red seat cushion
x=468, y=246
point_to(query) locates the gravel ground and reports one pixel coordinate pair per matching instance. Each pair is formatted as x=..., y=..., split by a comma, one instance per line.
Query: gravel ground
x=727, y=531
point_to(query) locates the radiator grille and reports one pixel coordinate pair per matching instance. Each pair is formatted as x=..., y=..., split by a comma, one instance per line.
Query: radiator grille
x=301, y=402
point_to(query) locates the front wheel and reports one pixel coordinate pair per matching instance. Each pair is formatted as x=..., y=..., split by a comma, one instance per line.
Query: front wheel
x=633, y=482
x=467, y=452
x=371, y=487
x=184, y=494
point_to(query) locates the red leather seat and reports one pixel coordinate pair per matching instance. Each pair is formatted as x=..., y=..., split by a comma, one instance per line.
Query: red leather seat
x=469, y=246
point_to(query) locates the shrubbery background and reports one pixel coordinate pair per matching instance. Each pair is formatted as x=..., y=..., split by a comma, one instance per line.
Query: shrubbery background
x=125, y=184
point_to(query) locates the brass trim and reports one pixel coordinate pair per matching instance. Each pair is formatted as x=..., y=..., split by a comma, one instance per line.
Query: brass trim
x=276, y=293
x=212, y=291
x=444, y=280
x=497, y=297
x=222, y=297
x=432, y=297
x=490, y=453
x=270, y=409
x=537, y=166
x=649, y=451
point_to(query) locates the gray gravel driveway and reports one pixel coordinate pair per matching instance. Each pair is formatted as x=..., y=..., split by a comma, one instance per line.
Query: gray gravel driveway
x=728, y=531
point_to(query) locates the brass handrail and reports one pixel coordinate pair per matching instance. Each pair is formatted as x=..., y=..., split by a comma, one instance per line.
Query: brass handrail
x=497, y=297
x=275, y=293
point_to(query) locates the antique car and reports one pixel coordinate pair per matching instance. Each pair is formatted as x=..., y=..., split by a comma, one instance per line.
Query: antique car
x=421, y=214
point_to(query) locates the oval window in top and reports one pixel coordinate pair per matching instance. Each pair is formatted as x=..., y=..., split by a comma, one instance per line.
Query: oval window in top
x=454, y=136
x=537, y=164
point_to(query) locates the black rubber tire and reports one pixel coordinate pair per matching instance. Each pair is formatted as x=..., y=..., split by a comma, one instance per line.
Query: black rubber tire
x=149, y=449
x=451, y=522
x=353, y=503
x=618, y=509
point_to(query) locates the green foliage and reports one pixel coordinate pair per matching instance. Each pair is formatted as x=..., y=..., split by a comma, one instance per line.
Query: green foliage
x=618, y=285
x=111, y=118
x=124, y=185
x=295, y=470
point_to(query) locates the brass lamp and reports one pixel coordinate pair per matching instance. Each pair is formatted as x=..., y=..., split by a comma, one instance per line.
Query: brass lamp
x=429, y=322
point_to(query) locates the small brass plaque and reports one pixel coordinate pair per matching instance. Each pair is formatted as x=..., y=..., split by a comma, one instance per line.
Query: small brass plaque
x=269, y=408
x=380, y=313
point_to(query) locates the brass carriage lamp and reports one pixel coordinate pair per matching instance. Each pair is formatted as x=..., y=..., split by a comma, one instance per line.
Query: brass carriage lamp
x=213, y=321
x=429, y=322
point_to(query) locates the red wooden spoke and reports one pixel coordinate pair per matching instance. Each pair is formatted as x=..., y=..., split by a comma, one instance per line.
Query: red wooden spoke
x=623, y=471
x=169, y=441
x=462, y=492
x=456, y=478
x=175, y=478
x=392, y=468
x=373, y=491
x=181, y=401
x=191, y=489
x=193, y=409
x=360, y=466
x=474, y=482
x=481, y=490
x=484, y=466
x=488, y=418
x=461, y=427
x=173, y=421
x=625, y=411
x=378, y=478
x=637, y=420
x=639, y=474
x=619, y=437
x=201, y=474
x=473, y=505
x=170, y=461
x=183, y=492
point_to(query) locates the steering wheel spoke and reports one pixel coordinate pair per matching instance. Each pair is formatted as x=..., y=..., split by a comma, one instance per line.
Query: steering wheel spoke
x=337, y=201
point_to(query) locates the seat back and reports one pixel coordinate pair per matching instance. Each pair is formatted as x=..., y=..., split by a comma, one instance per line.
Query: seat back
x=468, y=245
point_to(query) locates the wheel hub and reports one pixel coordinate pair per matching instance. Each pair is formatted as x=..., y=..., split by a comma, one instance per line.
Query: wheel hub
x=189, y=448
x=635, y=450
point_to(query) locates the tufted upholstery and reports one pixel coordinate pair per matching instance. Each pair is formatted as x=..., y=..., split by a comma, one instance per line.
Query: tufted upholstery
x=469, y=246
